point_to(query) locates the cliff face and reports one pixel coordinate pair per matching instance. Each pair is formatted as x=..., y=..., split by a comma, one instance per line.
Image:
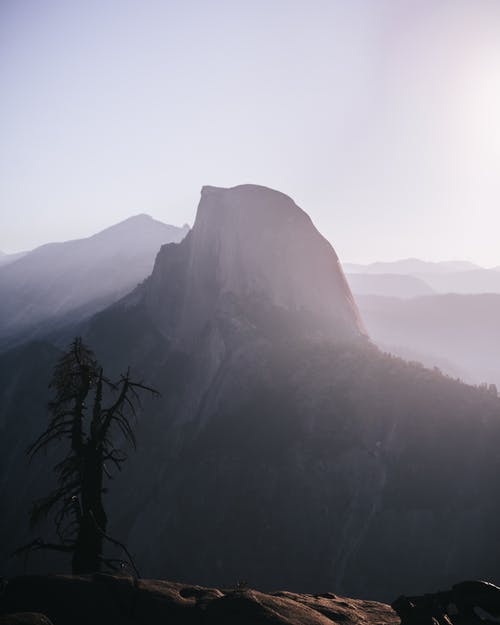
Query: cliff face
x=253, y=270
x=251, y=245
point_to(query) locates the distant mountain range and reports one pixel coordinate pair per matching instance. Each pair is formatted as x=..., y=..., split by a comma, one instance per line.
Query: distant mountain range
x=286, y=449
x=458, y=333
x=65, y=282
x=412, y=266
x=442, y=314
x=388, y=284
x=411, y=277
x=6, y=259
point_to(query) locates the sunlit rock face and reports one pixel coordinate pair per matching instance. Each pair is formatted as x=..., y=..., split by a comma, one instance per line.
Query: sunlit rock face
x=255, y=246
x=252, y=272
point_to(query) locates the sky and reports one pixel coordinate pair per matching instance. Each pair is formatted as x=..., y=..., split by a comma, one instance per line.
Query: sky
x=380, y=118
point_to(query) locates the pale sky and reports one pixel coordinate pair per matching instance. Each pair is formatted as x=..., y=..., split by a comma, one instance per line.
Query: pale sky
x=381, y=118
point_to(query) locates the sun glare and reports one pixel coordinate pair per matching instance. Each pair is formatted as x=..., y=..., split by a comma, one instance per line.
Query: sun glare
x=480, y=97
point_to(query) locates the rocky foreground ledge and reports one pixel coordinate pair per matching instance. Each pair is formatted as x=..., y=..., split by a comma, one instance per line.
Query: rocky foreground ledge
x=109, y=600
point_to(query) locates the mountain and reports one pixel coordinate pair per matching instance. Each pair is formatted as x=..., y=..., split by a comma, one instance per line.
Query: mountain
x=411, y=266
x=251, y=245
x=386, y=284
x=465, y=282
x=7, y=259
x=59, y=282
x=454, y=327
x=460, y=329
x=286, y=449
x=443, y=277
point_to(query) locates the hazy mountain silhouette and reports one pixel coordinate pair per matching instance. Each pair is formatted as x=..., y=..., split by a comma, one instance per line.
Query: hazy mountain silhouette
x=411, y=266
x=286, y=449
x=443, y=277
x=460, y=333
x=476, y=281
x=73, y=279
x=386, y=284
x=7, y=259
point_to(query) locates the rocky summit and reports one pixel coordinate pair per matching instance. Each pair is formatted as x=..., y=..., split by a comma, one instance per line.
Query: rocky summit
x=254, y=248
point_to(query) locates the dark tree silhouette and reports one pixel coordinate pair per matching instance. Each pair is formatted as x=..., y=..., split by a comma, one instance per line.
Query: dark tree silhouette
x=87, y=413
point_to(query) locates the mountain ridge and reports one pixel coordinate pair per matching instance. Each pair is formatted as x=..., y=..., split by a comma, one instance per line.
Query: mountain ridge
x=462, y=328
x=412, y=266
x=78, y=277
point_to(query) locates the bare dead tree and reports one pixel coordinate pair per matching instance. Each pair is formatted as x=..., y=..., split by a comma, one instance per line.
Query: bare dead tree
x=87, y=413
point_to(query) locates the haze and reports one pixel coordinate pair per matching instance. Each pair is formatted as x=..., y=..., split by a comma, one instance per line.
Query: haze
x=379, y=118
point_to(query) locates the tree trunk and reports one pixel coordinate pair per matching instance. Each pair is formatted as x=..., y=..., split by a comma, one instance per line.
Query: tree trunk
x=87, y=557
